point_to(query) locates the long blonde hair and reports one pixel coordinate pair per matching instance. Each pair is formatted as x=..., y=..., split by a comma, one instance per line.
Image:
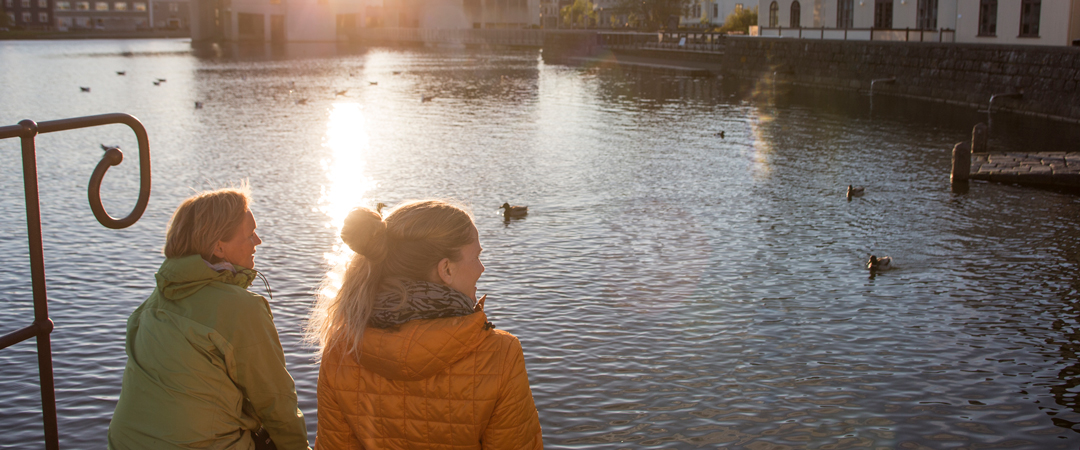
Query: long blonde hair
x=406, y=245
x=204, y=219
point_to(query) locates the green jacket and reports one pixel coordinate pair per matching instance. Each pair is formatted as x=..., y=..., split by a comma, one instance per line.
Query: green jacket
x=204, y=366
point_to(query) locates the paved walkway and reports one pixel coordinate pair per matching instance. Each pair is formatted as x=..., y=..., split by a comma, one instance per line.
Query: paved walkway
x=1058, y=169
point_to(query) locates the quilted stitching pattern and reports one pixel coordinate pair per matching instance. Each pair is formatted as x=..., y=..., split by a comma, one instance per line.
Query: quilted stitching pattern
x=445, y=384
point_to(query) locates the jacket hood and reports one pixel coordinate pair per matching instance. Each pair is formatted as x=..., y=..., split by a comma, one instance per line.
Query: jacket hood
x=420, y=349
x=179, y=278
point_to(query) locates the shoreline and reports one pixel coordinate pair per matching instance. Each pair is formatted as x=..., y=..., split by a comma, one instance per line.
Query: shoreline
x=23, y=35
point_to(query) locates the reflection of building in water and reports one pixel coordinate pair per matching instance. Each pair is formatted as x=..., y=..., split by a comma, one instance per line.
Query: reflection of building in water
x=331, y=20
x=1025, y=22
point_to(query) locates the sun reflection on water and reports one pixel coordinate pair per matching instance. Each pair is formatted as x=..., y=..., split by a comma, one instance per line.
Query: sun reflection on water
x=347, y=184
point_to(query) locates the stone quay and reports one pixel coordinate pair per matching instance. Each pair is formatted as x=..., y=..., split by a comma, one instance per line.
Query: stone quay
x=1058, y=170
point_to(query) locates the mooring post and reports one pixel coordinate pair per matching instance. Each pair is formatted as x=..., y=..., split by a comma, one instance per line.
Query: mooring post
x=961, y=163
x=979, y=135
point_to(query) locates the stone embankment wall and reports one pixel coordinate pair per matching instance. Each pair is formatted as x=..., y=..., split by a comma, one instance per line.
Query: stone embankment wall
x=964, y=74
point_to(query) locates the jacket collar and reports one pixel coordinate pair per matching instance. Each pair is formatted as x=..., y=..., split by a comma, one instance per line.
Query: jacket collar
x=179, y=278
x=420, y=349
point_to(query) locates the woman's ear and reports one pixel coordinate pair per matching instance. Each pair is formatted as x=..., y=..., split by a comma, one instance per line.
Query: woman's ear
x=218, y=253
x=444, y=272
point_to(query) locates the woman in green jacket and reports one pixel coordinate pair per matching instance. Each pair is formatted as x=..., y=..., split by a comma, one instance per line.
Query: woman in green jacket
x=205, y=367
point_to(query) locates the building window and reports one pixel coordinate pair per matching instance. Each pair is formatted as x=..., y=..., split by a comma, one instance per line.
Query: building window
x=774, y=15
x=43, y=4
x=883, y=13
x=926, y=16
x=63, y=6
x=174, y=7
x=82, y=22
x=25, y=3
x=796, y=14
x=139, y=6
x=10, y=4
x=1029, y=17
x=120, y=6
x=845, y=17
x=11, y=18
x=987, y=17
x=26, y=17
x=43, y=17
x=716, y=10
x=101, y=6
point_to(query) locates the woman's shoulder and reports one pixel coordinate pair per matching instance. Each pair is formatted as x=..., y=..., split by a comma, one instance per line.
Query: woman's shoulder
x=501, y=343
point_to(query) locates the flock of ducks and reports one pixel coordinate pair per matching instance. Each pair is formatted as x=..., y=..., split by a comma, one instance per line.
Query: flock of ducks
x=157, y=81
x=302, y=101
x=874, y=264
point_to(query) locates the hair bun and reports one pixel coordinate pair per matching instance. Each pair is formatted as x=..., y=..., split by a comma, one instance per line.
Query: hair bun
x=365, y=233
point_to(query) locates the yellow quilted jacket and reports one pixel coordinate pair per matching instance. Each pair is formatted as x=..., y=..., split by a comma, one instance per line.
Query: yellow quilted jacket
x=450, y=383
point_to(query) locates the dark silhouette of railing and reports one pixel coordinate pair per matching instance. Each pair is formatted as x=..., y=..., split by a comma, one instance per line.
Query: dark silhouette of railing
x=27, y=130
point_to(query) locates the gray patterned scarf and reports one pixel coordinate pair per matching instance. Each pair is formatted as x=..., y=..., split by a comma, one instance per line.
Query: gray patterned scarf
x=423, y=300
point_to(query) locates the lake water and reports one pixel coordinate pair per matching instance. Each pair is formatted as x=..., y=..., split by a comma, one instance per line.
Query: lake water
x=671, y=288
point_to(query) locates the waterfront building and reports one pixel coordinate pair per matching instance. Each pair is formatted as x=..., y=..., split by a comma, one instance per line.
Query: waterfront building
x=331, y=20
x=105, y=15
x=27, y=14
x=1024, y=22
x=170, y=14
x=712, y=13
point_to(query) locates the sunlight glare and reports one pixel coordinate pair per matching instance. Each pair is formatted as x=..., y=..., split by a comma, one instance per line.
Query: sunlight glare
x=347, y=183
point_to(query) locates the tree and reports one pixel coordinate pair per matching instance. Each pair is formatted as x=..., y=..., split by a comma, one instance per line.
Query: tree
x=740, y=20
x=582, y=12
x=651, y=14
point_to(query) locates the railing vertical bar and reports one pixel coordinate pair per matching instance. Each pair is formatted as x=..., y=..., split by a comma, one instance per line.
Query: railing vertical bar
x=37, y=274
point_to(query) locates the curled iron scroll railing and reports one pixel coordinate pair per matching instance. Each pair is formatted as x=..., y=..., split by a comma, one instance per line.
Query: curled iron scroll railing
x=42, y=326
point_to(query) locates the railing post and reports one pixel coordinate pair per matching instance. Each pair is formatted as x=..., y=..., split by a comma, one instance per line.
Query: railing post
x=37, y=277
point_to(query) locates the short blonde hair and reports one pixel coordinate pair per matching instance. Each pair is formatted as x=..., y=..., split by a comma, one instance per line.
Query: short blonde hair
x=204, y=219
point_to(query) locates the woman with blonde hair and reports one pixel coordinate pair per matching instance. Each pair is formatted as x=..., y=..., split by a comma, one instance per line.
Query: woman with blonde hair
x=409, y=360
x=205, y=367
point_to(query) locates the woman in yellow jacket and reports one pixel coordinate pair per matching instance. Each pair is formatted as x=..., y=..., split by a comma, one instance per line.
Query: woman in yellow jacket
x=409, y=360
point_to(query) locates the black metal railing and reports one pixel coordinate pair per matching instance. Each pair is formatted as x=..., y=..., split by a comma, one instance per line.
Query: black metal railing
x=27, y=130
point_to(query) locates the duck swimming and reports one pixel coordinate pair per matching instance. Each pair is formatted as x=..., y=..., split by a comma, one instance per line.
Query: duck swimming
x=882, y=263
x=514, y=211
x=853, y=191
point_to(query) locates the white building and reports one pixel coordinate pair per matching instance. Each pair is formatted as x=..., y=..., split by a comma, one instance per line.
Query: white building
x=1027, y=22
x=712, y=13
x=330, y=20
